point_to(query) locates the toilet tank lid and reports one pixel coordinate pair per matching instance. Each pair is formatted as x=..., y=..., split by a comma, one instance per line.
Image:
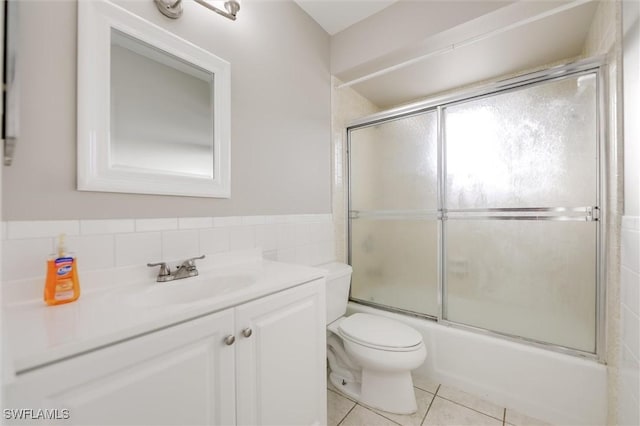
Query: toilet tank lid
x=379, y=331
x=335, y=269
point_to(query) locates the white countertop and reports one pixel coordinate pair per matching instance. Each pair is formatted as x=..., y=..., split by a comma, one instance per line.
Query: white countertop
x=36, y=334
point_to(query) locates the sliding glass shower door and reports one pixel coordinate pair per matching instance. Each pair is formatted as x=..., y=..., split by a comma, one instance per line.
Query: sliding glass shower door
x=394, y=212
x=521, y=182
x=483, y=211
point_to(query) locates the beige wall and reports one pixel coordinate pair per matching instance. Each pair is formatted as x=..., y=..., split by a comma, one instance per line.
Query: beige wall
x=280, y=113
x=380, y=34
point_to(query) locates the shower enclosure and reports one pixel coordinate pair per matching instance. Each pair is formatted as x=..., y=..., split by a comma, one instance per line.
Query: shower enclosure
x=483, y=210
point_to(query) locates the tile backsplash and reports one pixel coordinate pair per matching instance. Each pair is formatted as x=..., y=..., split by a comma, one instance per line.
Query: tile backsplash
x=105, y=244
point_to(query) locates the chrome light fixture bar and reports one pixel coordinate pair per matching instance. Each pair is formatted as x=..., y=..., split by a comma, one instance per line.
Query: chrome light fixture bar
x=173, y=8
x=232, y=7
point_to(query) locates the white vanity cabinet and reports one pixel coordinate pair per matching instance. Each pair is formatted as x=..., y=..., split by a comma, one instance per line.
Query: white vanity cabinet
x=281, y=366
x=258, y=363
x=180, y=375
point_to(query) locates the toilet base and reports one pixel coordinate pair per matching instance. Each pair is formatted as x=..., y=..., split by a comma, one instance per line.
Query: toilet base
x=390, y=392
x=349, y=388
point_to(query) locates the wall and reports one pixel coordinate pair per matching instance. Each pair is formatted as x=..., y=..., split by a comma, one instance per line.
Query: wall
x=280, y=201
x=380, y=34
x=604, y=38
x=628, y=404
x=105, y=246
x=280, y=113
x=602, y=34
x=631, y=59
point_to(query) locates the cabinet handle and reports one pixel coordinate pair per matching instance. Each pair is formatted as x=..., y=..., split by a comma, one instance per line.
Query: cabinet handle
x=247, y=332
x=230, y=339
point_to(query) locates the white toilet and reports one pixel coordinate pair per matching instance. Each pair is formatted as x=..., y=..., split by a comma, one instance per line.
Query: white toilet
x=370, y=356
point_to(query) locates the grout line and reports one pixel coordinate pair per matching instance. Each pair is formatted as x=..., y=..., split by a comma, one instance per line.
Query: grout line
x=504, y=417
x=437, y=389
x=115, y=250
x=337, y=392
x=429, y=408
x=472, y=409
x=347, y=415
x=380, y=414
x=426, y=390
x=199, y=243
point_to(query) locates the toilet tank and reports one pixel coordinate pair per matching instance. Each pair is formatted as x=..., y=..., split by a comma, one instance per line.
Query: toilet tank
x=338, y=281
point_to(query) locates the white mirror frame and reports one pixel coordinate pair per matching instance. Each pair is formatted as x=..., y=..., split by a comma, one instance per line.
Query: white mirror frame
x=95, y=21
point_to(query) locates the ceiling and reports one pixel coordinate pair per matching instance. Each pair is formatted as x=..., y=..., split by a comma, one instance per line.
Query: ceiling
x=335, y=16
x=433, y=46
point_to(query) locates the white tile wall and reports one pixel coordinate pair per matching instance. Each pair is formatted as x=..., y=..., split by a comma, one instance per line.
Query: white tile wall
x=25, y=258
x=114, y=226
x=180, y=244
x=227, y=221
x=39, y=229
x=195, y=222
x=103, y=244
x=161, y=224
x=267, y=236
x=137, y=248
x=629, y=382
x=242, y=237
x=214, y=240
x=96, y=251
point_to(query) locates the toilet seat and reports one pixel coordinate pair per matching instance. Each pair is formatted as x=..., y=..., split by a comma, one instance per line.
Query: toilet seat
x=379, y=333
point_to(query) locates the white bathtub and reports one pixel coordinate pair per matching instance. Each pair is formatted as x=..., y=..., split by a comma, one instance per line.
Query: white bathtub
x=557, y=388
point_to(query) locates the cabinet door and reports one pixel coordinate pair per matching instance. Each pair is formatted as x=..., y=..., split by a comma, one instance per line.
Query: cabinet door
x=281, y=367
x=177, y=376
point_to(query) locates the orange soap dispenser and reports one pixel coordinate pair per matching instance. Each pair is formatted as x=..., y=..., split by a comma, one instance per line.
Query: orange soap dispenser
x=62, y=285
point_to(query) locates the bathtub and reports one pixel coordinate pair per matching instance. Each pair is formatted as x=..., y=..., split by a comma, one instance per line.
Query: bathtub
x=558, y=388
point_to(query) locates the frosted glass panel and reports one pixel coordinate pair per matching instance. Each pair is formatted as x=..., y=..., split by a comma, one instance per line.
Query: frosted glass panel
x=533, y=147
x=395, y=263
x=394, y=165
x=535, y=279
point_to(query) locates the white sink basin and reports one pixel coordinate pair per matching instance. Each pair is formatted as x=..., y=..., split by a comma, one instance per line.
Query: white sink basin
x=190, y=290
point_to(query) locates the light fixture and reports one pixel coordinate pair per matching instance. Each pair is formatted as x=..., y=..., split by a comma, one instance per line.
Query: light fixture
x=173, y=8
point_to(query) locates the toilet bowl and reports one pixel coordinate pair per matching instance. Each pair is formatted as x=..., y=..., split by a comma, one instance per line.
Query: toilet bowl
x=370, y=357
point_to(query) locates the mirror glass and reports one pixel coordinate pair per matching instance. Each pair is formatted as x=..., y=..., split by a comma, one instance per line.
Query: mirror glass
x=161, y=110
x=153, y=108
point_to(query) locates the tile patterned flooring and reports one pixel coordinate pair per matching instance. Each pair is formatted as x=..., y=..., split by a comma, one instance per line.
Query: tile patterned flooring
x=438, y=405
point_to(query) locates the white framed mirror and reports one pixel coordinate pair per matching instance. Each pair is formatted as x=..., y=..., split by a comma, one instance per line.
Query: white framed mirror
x=153, y=109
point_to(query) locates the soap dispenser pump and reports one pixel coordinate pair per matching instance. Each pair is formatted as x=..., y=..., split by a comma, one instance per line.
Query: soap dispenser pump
x=62, y=284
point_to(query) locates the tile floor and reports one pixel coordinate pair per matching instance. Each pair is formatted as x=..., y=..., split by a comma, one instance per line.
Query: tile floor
x=438, y=405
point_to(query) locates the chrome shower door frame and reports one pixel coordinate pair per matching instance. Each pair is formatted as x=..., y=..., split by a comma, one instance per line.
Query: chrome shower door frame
x=596, y=213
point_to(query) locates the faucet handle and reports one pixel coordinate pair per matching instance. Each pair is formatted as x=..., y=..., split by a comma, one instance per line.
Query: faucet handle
x=164, y=269
x=190, y=263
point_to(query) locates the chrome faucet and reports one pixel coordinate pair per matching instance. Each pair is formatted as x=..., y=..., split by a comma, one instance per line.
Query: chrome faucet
x=185, y=270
